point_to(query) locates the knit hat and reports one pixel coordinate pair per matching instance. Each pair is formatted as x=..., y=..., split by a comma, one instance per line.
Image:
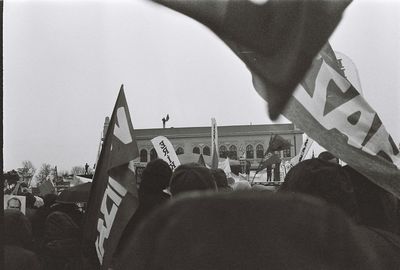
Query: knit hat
x=156, y=175
x=191, y=177
x=322, y=179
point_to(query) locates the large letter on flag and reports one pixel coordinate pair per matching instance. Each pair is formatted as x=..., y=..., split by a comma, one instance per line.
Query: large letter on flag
x=113, y=196
x=166, y=151
x=331, y=111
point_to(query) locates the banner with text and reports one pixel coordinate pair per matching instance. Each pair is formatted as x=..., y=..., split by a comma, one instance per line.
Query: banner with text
x=113, y=197
x=166, y=151
x=332, y=112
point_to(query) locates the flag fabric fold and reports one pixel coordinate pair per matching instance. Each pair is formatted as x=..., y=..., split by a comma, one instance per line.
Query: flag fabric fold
x=215, y=159
x=113, y=197
x=332, y=112
x=283, y=35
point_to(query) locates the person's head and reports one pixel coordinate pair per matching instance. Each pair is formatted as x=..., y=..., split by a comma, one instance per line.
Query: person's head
x=14, y=203
x=191, y=177
x=241, y=185
x=156, y=176
x=377, y=207
x=17, y=228
x=327, y=156
x=325, y=180
x=220, y=179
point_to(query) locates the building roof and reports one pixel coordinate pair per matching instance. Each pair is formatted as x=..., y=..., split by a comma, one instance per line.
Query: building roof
x=223, y=131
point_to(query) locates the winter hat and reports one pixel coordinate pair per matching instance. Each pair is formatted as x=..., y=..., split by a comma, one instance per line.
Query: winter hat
x=156, y=175
x=191, y=177
x=322, y=179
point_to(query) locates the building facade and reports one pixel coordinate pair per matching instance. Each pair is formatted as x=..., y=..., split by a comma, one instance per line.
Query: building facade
x=236, y=142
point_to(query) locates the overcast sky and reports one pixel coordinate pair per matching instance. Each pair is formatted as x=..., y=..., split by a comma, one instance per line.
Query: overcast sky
x=64, y=62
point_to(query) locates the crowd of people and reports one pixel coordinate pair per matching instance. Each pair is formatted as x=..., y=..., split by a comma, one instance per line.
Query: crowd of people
x=323, y=216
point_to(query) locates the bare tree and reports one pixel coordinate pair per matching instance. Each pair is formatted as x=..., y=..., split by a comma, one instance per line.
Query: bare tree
x=77, y=170
x=43, y=173
x=27, y=171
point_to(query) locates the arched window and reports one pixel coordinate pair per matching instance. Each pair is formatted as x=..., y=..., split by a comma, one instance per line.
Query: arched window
x=196, y=150
x=259, y=151
x=249, y=151
x=153, y=154
x=206, y=150
x=143, y=155
x=179, y=151
x=232, y=152
x=223, y=152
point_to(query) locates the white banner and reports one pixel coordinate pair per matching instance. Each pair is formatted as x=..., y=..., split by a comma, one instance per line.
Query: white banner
x=303, y=151
x=166, y=151
x=214, y=136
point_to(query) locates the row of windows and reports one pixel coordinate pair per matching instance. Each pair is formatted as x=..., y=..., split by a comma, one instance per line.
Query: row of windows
x=223, y=152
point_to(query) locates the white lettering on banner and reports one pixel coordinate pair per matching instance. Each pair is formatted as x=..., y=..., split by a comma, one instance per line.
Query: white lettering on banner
x=121, y=131
x=114, y=192
x=337, y=118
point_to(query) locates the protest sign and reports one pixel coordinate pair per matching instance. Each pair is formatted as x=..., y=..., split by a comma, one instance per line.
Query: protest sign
x=15, y=202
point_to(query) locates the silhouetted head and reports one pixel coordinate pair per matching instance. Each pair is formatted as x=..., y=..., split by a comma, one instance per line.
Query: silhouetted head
x=191, y=177
x=322, y=179
x=156, y=176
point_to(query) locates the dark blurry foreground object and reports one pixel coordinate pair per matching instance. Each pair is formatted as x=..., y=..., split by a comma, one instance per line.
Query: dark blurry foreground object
x=255, y=230
x=324, y=180
x=376, y=207
x=79, y=193
x=276, y=39
x=191, y=177
x=17, y=241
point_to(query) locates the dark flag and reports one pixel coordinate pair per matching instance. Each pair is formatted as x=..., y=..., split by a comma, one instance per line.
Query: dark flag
x=113, y=196
x=332, y=112
x=269, y=160
x=201, y=161
x=277, y=143
x=277, y=39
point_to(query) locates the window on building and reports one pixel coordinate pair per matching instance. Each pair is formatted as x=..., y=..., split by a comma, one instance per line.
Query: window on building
x=179, y=151
x=259, y=151
x=223, y=152
x=206, y=151
x=249, y=151
x=287, y=153
x=196, y=150
x=233, y=152
x=153, y=154
x=143, y=155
